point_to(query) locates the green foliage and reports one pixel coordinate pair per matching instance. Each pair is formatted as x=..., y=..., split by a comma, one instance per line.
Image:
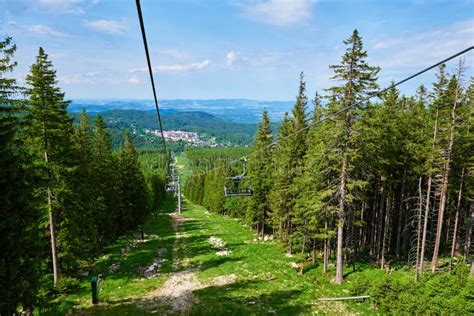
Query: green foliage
x=131, y=188
x=54, y=174
x=259, y=172
x=208, y=126
x=398, y=293
x=19, y=217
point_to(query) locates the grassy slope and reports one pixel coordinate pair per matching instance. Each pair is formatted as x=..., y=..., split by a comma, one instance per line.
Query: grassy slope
x=121, y=287
x=265, y=283
x=262, y=280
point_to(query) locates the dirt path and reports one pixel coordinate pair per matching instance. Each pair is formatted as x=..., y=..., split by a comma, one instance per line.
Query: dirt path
x=178, y=289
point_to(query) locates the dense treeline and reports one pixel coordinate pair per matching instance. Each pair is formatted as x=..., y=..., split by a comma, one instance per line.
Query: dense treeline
x=65, y=194
x=389, y=181
x=207, y=188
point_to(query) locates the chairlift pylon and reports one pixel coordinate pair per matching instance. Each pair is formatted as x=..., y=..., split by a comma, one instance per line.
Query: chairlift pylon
x=232, y=184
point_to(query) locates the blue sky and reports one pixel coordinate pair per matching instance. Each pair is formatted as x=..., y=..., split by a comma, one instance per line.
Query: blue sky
x=229, y=49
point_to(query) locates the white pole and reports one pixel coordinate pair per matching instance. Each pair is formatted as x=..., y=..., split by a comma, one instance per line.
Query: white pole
x=179, y=194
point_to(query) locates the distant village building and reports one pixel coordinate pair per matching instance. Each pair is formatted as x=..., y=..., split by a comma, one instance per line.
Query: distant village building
x=190, y=138
x=181, y=135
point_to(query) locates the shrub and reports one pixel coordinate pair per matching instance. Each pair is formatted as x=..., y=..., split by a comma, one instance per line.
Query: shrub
x=433, y=294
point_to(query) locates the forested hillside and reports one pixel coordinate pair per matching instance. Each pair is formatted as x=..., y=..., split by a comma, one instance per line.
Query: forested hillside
x=207, y=125
x=65, y=194
x=389, y=182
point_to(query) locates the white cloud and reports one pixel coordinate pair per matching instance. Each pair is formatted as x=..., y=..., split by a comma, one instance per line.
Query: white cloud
x=134, y=80
x=67, y=6
x=89, y=78
x=231, y=57
x=176, y=67
x=107, y=26
x=94, y=78
x=45, y=30
x=175, y=53
x=278, y=12
x=418, y=49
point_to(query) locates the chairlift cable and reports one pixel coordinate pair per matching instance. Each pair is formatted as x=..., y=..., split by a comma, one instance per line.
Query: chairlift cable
x=150, y=70
x=344, y=109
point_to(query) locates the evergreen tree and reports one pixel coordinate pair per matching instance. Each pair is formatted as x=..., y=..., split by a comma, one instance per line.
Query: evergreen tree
x=132, y=187
x=260, y=175
x=358, y=80
x=87, y=242
x=50, y=134
x=19, y=218
x=105, y=182
x=288, y=164
x=280, y=198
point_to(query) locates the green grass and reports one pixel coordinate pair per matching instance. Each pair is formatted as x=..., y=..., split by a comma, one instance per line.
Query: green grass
x=260, y=279
x=263, y=281
x=121, y=288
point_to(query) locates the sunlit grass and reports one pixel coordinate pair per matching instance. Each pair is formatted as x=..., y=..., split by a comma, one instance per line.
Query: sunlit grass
x=263, y=282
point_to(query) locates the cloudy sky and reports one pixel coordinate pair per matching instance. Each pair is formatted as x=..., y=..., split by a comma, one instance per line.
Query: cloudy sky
x=205, y=49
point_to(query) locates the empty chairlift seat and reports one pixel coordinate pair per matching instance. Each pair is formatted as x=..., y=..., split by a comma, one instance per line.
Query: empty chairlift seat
x=233, y=186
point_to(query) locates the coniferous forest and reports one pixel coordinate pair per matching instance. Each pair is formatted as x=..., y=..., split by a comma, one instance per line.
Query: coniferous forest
x=387, y=184
x=65, y=194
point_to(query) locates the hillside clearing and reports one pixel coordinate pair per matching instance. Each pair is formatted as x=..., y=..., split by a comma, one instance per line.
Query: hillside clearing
x=254, y=277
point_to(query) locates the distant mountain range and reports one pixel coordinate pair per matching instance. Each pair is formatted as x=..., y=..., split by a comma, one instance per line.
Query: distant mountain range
x=235, y=110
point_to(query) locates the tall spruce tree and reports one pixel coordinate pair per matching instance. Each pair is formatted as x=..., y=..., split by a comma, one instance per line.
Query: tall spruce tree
x=280, y=197
x=260, y=166
x=87, y=241
x=106, y=183
x=358, y=80
x=288, y=164
x=50, y=131
x=132, y=187
x=19, y=217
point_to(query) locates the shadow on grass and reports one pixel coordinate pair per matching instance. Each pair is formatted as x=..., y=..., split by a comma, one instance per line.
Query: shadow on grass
x=230, y=299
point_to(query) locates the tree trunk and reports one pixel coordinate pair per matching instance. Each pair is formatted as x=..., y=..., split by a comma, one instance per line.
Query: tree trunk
x=425, y=227
x=52, y=231
x=340, y=223
x=385, y=234
x=427, y=202
x=444, y=184
x=362, y=231
x=467, y=243
x=418, y=231
x=304, y=244
x=313, y=254
x=325, y=251
x=380, y=231
x=401, y=215
x=456, y=221
x=290, y=244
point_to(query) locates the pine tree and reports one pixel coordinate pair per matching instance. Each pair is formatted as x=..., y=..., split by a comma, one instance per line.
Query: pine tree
x=358, y=81
x=19, y=218
x=453, y=96
x=132, y=187
x=87, y=241
x=105, y=182
x=260, y=175
x=280, y=197
x=50, y=134
x=315, y=207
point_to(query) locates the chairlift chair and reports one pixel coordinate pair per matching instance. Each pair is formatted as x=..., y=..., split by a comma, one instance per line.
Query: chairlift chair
x=232, y=185
x=171, y=185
